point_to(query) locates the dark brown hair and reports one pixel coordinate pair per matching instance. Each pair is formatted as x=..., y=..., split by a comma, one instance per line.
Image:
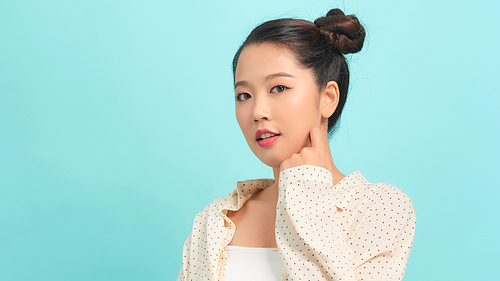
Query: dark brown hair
x=319, y=46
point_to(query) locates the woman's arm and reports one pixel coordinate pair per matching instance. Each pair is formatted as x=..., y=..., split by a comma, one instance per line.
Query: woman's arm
x=201, y=252
x=318, y=240
x=308, y=234
x=380, y=229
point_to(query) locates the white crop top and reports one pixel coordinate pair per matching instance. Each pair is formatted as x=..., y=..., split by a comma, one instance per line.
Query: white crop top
x=253, y=264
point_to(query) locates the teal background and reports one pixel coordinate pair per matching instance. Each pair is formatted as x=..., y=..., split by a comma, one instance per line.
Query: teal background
x=117, y=126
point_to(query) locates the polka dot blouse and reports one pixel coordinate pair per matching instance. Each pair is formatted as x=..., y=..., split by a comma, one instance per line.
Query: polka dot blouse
x=354, y=230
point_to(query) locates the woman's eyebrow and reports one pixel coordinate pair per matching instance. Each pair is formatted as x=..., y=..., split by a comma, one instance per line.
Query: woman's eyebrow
x=279, y=74
x=269, y=77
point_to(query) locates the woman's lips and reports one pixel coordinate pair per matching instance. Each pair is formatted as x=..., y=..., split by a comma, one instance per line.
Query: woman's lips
x=268, y=141
x=264, y=131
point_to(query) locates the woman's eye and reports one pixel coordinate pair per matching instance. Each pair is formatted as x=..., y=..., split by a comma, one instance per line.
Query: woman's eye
x=242, y=96
x=278, y=89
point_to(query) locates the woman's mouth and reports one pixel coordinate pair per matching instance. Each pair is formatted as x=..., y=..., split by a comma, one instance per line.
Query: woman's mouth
x=267, y=139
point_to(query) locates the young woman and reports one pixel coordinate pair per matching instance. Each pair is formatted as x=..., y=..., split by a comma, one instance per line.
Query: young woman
x=311, y=222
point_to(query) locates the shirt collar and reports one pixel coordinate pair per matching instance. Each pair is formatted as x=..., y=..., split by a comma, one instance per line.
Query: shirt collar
x=245, y=189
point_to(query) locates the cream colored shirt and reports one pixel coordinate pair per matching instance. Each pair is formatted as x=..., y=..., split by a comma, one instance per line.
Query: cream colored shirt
x=354, y=230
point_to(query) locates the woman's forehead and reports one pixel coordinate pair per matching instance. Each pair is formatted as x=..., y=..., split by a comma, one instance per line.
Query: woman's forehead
x=261, y=60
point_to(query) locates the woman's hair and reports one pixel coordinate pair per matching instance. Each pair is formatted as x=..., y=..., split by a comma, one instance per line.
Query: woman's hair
x=319, y=46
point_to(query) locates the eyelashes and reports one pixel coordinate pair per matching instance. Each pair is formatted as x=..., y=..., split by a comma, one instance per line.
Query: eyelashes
x=275, y=89
x=239, y=97
x=281, y=87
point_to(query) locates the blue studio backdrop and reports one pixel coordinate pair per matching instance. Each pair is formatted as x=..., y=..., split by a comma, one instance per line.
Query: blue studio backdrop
x=117, y=127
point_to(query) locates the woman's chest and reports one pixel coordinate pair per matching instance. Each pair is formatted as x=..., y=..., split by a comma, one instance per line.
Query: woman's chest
x=254, y=224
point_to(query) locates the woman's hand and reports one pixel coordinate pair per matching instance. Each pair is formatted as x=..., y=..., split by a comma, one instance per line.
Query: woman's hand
x=317, y=154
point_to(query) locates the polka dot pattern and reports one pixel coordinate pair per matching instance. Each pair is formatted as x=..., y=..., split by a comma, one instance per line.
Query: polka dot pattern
x=355, y=230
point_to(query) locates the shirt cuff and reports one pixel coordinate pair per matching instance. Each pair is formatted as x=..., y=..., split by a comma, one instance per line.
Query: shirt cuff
x=306, y=173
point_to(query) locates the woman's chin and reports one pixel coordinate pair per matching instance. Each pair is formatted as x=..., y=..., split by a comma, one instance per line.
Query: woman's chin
x=272, y=158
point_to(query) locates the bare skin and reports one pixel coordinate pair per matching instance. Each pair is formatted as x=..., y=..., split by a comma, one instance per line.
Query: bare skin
x=255, y=220
x=298, y=112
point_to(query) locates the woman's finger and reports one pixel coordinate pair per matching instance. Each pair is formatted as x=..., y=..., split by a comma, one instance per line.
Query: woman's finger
x=315, y=137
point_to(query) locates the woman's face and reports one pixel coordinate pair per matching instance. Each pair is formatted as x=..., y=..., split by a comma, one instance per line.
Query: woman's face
x=274, y=93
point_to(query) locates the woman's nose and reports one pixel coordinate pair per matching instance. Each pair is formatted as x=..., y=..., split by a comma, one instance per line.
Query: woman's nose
x=261, y=111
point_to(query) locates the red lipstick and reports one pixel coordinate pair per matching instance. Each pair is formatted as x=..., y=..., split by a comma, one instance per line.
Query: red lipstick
x=267, y=141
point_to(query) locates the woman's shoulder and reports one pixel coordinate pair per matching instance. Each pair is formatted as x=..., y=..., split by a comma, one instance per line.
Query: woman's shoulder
x=217, y=205
x=379, y=203
x=384, y=194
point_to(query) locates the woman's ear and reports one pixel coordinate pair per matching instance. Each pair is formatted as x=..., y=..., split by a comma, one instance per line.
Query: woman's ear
x=329, y=99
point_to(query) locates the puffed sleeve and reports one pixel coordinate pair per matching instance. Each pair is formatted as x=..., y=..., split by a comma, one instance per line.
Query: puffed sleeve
x=380, y=229
x=315, y=241
x=184, y=271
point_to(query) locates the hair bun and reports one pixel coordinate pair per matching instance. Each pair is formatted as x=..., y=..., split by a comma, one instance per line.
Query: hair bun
x=342, y=33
